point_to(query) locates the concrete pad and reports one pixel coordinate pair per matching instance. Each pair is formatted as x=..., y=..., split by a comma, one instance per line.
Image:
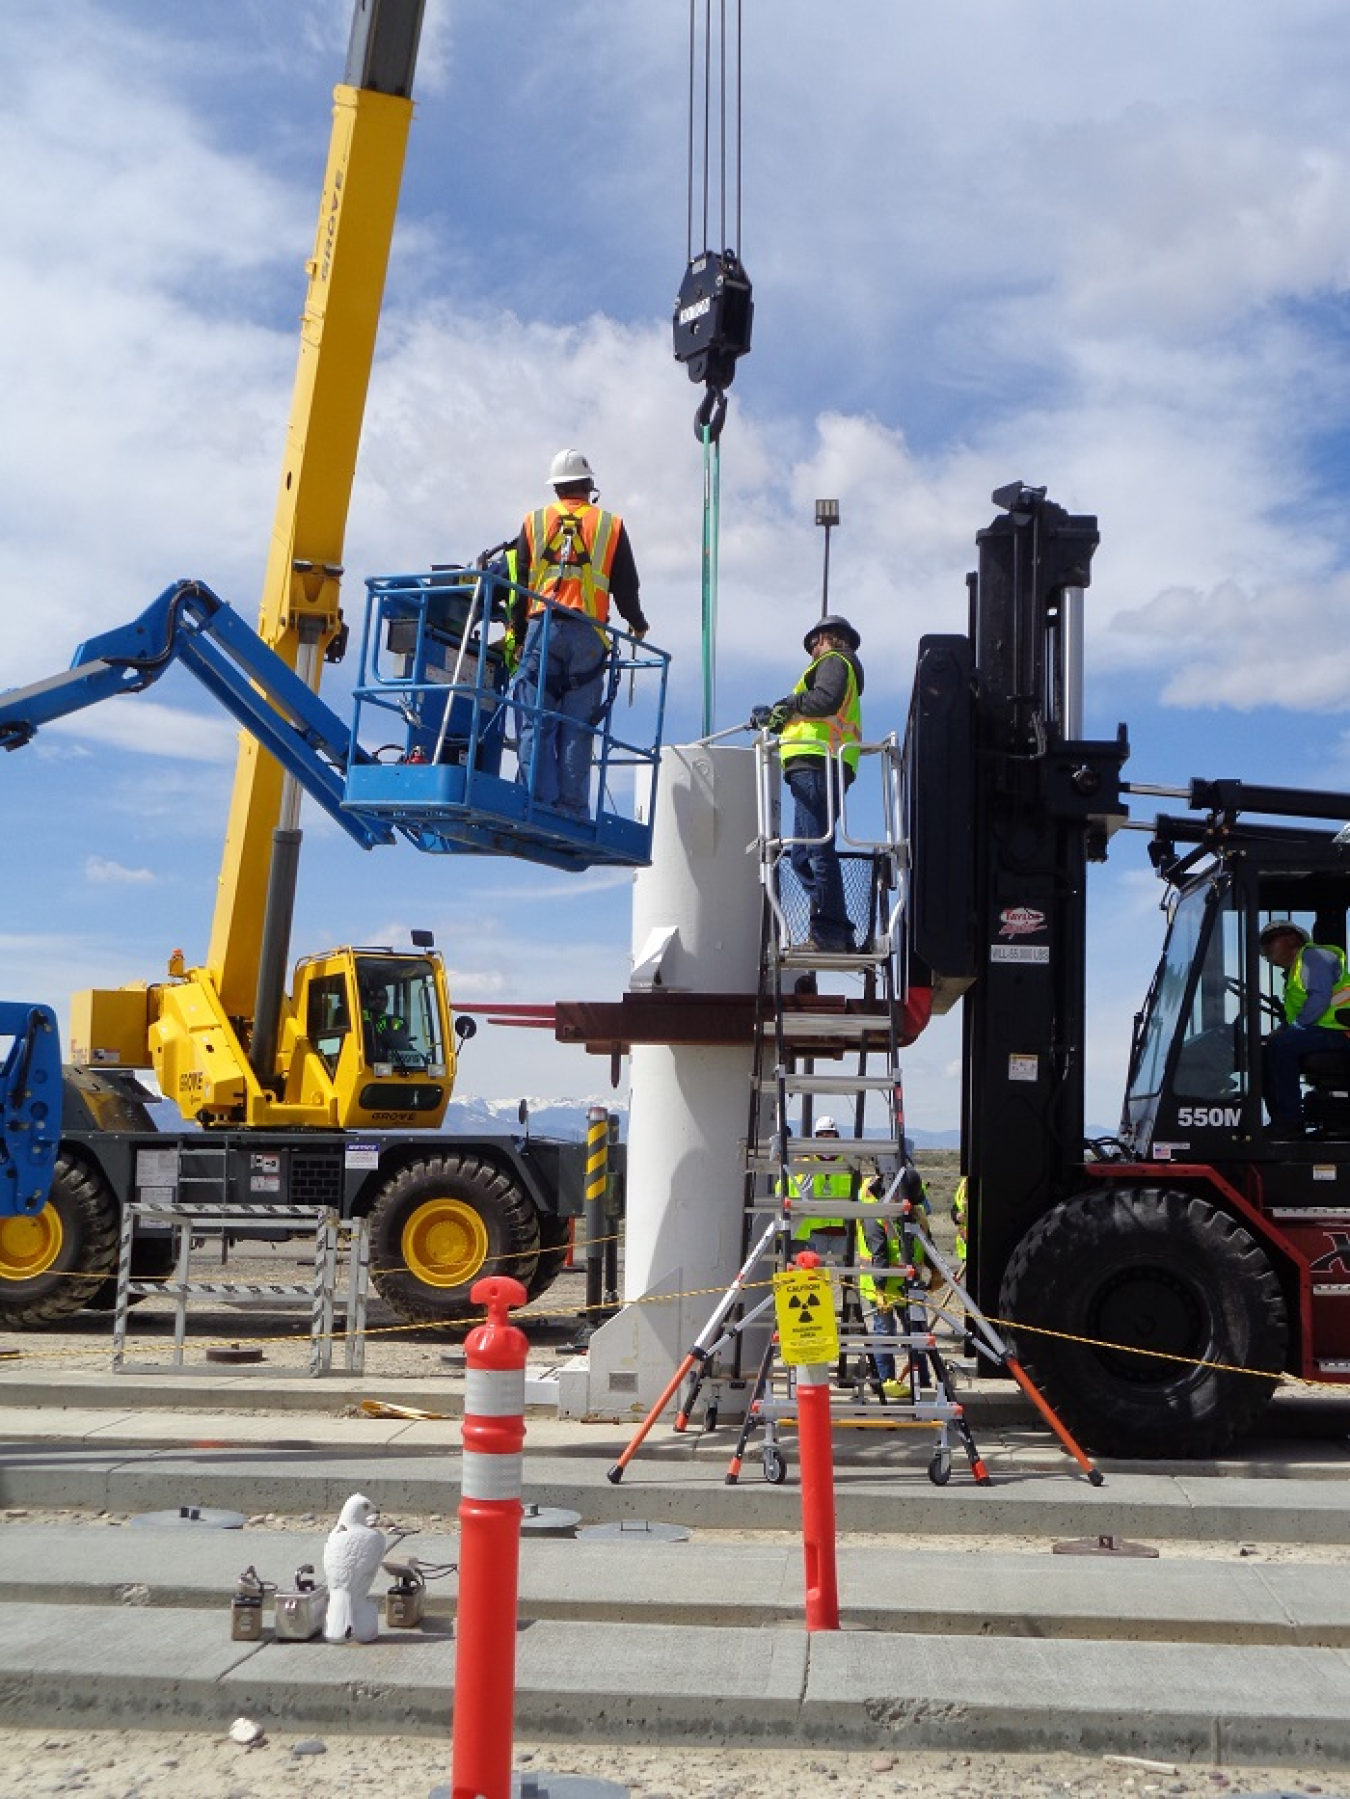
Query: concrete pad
x=660, y=1683
x=1316, y=1600
x=901, y=1691
x=1168, y=1600
x=1240, y=1507
x=709, y=1583
x=95, y=1665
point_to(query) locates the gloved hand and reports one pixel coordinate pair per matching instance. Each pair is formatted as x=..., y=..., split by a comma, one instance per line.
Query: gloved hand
x=760, y=716
x=771, y=718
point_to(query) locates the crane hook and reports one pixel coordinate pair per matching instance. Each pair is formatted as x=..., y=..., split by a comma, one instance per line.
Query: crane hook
x=711, y=414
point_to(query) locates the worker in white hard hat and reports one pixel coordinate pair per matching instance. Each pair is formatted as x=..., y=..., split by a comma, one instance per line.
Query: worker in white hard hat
x=829, y=1179
x=1316, y=1012
x=577, y=558
x=819, y=725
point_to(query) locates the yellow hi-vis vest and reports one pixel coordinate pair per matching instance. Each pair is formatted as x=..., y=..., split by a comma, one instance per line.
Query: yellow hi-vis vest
x=818, y=1186
x=889, y=1289
x=1295, y=992
x=572, y=556
x=838, y=736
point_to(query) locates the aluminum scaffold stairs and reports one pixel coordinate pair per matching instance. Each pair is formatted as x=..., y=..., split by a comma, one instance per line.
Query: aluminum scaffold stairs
x=818, y=1051
x=858, y=1040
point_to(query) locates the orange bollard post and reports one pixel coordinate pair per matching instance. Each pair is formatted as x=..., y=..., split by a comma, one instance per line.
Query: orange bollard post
x=489, y=1547
x=815, y=1443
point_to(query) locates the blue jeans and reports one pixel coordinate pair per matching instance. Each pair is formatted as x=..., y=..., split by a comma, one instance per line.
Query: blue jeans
x=1286, y=1049
x=884, y=1325
x=554, y=727
x=816, y=865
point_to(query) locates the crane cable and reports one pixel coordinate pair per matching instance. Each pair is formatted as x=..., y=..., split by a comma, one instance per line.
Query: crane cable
x=713, y=310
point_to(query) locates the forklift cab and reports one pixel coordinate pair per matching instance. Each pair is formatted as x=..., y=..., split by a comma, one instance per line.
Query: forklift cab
x=1196, y=1086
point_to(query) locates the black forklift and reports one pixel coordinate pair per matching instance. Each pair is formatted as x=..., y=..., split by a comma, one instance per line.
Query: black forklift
x=1158, y=1282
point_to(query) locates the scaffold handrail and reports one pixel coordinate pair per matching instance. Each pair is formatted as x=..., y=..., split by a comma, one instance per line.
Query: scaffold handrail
x=436, y=679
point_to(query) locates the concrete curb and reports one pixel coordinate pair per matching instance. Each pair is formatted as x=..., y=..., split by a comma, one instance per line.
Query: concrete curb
x=710, y=1583
x=663, y=1683
x=673, y=1484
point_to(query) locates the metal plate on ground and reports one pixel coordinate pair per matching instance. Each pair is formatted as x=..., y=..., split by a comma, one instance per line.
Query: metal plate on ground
x=1117, y=1546
x=190, y=1517
x=634, y=1530
x=554, y=1786
x=548, y=1521
x=233, y=1353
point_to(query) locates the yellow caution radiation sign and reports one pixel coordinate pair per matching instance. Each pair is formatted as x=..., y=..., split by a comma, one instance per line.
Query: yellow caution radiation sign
x=803, y=1303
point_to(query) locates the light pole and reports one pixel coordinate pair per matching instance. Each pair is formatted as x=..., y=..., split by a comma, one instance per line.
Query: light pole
x=827, y=514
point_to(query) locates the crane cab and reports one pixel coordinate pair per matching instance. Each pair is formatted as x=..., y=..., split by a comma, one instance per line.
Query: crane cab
x=366, y=1042
x=368, y=1037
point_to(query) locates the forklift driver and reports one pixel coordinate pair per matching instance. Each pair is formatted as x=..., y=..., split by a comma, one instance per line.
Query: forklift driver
x=1317, y=1017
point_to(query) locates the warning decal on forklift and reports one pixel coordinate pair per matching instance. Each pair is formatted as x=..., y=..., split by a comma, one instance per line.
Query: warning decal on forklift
x=803, y=1305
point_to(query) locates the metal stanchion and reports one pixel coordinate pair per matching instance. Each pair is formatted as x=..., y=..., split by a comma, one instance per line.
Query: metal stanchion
x=613, y=1213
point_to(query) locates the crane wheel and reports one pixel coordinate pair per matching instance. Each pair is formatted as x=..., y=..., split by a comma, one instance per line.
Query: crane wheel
x=442, y=1223
x=554, y=1238
x=52, y=1264
x=1147, y=1269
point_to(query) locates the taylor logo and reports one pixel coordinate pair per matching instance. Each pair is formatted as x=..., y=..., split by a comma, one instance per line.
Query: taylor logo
x=1337, y=1256
x=1020, y=921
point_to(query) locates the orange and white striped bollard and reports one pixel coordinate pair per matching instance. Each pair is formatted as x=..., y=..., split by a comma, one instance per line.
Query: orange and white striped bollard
x=489, y=1546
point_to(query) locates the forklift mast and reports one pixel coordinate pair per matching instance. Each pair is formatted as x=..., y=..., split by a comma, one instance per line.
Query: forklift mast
x=1006, y=804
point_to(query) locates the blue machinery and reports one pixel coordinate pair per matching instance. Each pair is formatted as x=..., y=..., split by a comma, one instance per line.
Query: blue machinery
x=30, y=1111
x=433, y=683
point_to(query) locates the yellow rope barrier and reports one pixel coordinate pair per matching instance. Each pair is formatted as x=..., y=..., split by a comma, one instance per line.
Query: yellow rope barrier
x=461, y=1326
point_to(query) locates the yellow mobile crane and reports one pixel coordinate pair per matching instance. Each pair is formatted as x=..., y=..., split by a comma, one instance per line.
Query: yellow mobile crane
x=364, y=1039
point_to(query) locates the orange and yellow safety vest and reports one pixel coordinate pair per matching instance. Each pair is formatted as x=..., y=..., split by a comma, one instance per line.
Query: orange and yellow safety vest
x=572, y=556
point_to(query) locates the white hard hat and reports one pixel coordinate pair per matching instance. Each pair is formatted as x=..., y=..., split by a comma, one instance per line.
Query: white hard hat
x=826, y=1127
x=1279, y=927
x=570, y=465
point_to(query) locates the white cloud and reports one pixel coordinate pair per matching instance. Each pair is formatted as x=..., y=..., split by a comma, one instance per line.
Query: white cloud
x=103, y=873
x=147, y=728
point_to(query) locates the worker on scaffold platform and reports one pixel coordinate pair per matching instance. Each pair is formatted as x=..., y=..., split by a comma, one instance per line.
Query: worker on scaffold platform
x=819, y=725
x=578, y=557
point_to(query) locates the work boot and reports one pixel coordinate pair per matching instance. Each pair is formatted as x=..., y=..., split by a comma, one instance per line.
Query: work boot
x=896, y=1389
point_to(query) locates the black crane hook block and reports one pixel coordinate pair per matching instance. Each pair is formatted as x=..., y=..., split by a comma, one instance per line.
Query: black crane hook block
x=714, y=313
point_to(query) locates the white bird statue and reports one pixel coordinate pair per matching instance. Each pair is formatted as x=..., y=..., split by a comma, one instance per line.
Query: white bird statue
x=351, y=1559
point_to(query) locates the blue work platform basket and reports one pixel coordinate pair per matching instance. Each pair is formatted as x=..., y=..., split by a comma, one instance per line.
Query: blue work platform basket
x=435, y=695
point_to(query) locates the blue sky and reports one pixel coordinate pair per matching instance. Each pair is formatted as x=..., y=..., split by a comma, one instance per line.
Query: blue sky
x=1103, y=249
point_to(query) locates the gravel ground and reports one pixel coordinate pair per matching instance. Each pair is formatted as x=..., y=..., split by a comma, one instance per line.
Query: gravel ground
x=118, y=1764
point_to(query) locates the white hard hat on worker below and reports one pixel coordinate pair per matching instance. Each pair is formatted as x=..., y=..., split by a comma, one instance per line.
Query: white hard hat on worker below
x=570, y=465
x=826, y=1127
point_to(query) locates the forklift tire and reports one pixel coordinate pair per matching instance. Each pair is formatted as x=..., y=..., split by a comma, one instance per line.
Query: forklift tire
x=440, y=1225
x=1161, y=1270
x=554, y=1239
x=52, y=1264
